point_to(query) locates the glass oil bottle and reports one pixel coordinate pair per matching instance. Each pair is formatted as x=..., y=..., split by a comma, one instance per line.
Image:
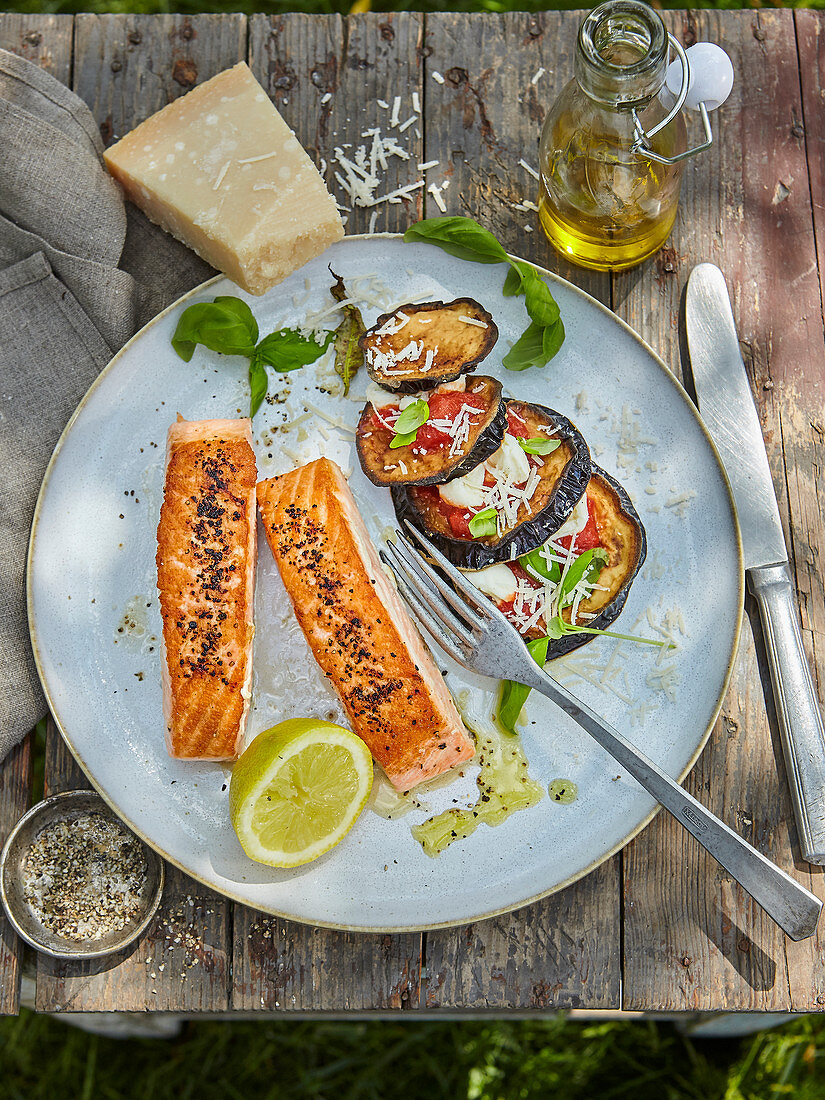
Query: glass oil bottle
x=604, y=203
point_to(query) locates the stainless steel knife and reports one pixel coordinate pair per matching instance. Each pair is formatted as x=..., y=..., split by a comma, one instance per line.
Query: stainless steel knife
x=728, y=410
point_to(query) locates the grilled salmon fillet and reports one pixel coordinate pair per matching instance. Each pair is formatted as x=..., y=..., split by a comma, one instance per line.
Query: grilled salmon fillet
x=358, y=629
x=206, y=581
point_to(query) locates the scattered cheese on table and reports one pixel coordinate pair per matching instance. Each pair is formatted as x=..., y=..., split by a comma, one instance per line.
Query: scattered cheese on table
x=221, y=170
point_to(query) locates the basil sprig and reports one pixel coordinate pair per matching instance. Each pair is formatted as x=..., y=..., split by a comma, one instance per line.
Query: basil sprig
x=465, y=238
x=483, y=523
x=408, y=423
x=227, y=326
x=588, y=566
x=539, y=445
x=514, y=696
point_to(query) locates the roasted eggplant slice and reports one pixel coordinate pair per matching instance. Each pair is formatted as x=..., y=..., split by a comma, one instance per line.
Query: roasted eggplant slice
x=465, y=426
x=418, y=346
x=529, y=495
x=612, y=529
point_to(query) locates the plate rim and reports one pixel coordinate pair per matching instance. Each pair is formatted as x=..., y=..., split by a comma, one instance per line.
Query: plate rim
x=399, y=929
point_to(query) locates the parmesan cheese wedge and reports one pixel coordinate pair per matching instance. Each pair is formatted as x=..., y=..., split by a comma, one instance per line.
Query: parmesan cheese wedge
x=220, y=170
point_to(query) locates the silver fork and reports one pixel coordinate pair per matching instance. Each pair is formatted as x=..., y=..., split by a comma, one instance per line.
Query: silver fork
x=476, y=635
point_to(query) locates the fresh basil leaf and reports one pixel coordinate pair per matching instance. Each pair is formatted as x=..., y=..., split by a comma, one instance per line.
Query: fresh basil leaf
x=527, y=350
x=536, y=565
x=403, y=439
x=461, y=237
x=540, y=445
x=287, y=349
x=225, y=325
x=468, y=240
x=483, y=523
x=552, y=340
x=514, y=696
x=413, y=416
x=514, y=282
x=348, y=352
x=541, y=305
x=258, y=384
x=571, y=578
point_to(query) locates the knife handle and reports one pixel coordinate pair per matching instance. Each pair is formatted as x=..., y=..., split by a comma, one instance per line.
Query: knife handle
x=797, y=706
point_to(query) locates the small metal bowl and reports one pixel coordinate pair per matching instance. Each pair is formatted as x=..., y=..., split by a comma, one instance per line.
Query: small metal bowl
x=68, y=806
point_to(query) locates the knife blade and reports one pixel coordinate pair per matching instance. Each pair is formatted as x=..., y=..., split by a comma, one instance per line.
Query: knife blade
x=728, y=410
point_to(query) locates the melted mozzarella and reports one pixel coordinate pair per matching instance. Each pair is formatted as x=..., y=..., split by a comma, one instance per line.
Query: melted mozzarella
x=575, y=522
x=459, y=384
x=466, y=491
x=378, y=396
x=510, y=461
x=496, y=581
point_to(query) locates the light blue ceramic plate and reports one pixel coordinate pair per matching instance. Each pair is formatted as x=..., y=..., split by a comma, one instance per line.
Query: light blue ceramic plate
x=95, y=619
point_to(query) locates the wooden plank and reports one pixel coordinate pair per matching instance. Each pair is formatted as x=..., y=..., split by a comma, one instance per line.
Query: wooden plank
x=303, y=59
x=125, y=68
x=15, y=776
x=280, y=965
x=802, y=422
x=45, y=40
x=694, y=940
x=484, y=119
x=129, y=66
x=286, y=967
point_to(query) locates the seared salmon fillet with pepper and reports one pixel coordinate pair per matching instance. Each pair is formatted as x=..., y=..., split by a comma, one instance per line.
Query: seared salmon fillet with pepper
x=357, y=627
x=206, y=581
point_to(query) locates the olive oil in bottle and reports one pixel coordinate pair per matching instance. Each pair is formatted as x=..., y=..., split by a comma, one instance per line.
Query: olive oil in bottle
x=602, y=204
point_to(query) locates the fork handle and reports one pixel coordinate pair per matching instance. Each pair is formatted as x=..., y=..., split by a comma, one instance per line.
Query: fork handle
x=794, y=908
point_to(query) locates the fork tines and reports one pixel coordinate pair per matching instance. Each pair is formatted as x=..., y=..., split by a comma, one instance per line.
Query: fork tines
x=435, y=603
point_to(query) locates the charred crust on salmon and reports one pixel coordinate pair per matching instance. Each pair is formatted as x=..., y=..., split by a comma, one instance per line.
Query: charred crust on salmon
x=356, y=626
x=205, y=560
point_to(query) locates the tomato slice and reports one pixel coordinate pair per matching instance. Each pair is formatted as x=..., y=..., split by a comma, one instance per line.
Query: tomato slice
x=459, y=521
x=516, y=426
x=588, y=538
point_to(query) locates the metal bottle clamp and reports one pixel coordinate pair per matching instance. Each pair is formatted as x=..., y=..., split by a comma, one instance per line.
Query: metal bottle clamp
x=641, y=144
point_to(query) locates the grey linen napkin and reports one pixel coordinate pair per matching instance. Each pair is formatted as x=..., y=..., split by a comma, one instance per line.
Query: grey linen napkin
x=80, y=272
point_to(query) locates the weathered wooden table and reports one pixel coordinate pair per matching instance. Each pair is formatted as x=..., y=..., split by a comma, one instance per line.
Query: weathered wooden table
x=659, y=927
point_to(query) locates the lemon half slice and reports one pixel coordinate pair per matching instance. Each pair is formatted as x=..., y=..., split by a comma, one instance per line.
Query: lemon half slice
x=297, y=790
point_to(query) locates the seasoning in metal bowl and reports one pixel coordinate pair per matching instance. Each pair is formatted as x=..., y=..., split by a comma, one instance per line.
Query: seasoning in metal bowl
x=84, y=878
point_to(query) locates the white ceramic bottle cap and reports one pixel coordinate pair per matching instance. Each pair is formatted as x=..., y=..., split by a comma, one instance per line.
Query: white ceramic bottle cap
x=711, y=76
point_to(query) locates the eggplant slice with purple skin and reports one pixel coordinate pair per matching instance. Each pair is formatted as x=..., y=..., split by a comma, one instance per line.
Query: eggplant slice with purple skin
x=419, y=346
x=425, y=465
x=623, y=536
x=564, y=475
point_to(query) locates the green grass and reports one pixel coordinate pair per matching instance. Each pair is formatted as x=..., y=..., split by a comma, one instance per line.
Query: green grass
x=43, y=1059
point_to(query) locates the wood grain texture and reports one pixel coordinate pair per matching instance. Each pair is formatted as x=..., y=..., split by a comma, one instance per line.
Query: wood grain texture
x=694, y=940
x=303, y=59
x=282, y=966
x=484, y=119
x=15, y=776
x=126, y=67
x=46, y=41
